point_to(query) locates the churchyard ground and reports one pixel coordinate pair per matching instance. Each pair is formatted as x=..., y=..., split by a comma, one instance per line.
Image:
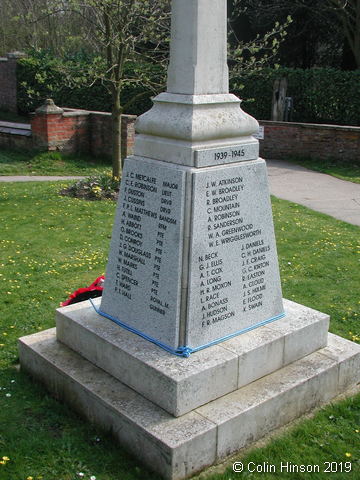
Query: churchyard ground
x=349, y=171
x=51, y=245
x=21, y=162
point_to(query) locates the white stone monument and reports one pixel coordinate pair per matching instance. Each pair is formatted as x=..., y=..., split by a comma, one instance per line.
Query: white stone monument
x=193, y=257
x=192, y=262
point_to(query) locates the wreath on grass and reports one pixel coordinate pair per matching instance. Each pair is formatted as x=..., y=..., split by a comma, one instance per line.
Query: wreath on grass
x=92, y=291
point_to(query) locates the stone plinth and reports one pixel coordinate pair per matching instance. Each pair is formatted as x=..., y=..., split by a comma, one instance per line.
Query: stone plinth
x=178, y=447
x=179, y=385
x=193, y=257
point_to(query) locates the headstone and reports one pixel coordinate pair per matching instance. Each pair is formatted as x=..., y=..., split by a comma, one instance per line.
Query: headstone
x=193, y=257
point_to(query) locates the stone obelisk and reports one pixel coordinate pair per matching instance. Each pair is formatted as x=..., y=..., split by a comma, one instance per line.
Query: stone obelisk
x=193, y=258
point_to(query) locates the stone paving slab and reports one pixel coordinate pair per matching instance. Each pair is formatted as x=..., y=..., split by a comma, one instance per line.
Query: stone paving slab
x=318, y=191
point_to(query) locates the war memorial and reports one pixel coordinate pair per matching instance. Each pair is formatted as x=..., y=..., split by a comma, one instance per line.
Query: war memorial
x=191, y=353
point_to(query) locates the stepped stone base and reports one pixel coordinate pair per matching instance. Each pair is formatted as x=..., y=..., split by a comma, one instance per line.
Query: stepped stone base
x=181, y=384
x=178, y=447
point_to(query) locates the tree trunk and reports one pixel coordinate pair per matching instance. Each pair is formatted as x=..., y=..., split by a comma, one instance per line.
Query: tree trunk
x=116, y=134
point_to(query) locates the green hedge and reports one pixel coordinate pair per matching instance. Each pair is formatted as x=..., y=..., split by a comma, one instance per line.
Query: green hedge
x=320, y=95
x=41, y=76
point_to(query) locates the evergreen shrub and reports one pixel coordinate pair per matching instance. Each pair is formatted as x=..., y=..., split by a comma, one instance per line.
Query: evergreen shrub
x=320, y=95
x=67, y=81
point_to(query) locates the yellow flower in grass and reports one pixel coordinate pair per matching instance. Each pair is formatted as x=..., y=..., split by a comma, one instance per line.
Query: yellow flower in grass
x=347, y=454
x=96, y=189
x=6, y=459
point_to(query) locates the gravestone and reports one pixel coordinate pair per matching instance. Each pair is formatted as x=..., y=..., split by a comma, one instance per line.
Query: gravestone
x=192, y=264
x=193, y=257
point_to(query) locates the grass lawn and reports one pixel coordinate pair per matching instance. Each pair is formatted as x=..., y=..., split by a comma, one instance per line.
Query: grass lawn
x=51, y=245
x=344, y=170
x=50, y=163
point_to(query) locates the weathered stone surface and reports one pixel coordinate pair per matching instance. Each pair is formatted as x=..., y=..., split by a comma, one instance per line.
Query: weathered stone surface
x=234, y=276
x=193, y=256
x=309, y=339
x=347, y=355
x=144, y=429
x=264, y=350
x=243, y=416
x=49, y=107
x=179, y=447
x=177, y=384
x=207, y=121
x=198, y=62
x=143, y=276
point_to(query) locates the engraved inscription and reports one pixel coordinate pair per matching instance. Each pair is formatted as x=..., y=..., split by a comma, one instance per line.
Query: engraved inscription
x=236, y=153
x=236, y=256
x=144, y=268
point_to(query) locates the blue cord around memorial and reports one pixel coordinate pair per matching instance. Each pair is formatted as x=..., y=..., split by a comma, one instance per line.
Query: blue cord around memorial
x=181, y=351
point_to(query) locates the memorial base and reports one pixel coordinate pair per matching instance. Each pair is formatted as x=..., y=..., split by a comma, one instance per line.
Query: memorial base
x=233, y=393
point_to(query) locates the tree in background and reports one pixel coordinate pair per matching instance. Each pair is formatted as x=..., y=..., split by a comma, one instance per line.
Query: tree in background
x=122, y=32
x=39, y=24
x=348, y=11
x=250, y=51
x=128, y=41
x=322, y=32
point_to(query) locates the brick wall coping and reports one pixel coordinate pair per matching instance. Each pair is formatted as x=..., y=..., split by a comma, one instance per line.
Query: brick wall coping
x=74, y=113
x=84, y=112
x=311, y=125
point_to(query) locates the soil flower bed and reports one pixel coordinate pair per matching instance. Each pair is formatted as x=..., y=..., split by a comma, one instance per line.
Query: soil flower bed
x=99, y=187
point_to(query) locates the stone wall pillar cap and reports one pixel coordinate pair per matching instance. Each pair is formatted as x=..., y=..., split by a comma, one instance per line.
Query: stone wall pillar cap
x=15, y=55
x=49, y=107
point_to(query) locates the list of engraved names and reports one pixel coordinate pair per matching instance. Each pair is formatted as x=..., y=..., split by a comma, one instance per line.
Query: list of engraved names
x=147, y=224
x=233, y=266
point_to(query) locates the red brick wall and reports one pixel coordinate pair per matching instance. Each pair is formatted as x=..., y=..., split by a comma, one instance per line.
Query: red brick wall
x=100, y=142
x=8, y=100
x=100, y=139
x=285, y=139
x=80, y=131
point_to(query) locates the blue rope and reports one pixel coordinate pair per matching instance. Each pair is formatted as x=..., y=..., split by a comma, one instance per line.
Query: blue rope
x=180, y=351
x=239, y=332
x=184, y=351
